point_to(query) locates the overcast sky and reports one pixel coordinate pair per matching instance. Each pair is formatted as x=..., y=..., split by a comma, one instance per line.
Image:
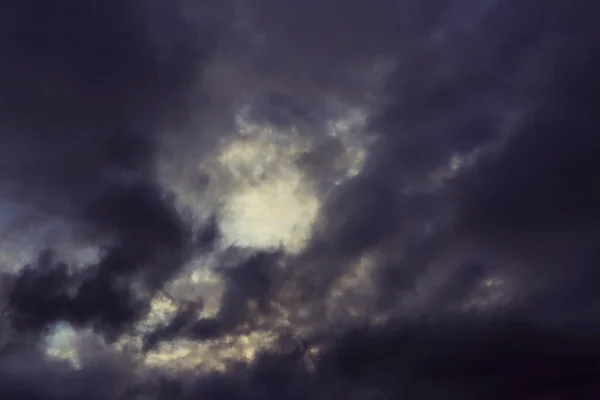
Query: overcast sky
x=299, y=199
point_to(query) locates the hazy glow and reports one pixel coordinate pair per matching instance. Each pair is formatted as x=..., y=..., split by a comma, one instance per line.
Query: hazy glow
x=267, y=216
x=210, y=356
x=60, y=344
x=162, y=310
x=271, y=203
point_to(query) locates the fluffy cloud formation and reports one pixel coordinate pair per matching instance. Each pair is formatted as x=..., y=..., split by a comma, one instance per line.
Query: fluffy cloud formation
x=299, y=199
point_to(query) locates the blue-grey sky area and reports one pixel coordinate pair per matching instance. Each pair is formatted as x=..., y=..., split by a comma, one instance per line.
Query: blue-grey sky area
x=299, y=199
x=7, y=212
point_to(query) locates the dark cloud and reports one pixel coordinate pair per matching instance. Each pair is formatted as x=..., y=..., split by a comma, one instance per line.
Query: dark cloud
x=458, y=356
x=534, y=200
x=87, y=92
x=394, y=295
x=113, y=293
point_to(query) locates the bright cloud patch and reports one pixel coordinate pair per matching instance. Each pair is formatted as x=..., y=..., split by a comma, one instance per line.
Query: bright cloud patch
x=275, y=213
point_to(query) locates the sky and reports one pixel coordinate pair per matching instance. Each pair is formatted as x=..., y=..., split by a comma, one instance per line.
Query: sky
x=299, y=199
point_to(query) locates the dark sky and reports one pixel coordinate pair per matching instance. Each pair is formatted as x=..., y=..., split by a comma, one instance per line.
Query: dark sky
x=459, y=263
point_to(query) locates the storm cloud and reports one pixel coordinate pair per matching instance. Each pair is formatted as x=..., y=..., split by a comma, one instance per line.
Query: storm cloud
x=456, y=259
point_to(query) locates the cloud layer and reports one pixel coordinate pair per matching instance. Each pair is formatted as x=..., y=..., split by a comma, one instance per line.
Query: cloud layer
x=441, y=158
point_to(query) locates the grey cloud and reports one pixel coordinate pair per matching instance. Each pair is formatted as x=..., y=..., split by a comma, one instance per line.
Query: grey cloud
x=462, y=73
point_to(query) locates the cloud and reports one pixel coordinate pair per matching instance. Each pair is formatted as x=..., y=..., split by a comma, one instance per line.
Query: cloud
x=446, y=154
x=86, y=93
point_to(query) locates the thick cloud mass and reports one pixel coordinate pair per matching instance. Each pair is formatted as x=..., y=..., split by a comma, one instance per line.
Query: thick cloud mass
x=451, y=151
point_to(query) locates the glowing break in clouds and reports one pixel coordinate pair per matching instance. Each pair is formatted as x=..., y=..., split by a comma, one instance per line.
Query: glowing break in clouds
x=273, y=203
